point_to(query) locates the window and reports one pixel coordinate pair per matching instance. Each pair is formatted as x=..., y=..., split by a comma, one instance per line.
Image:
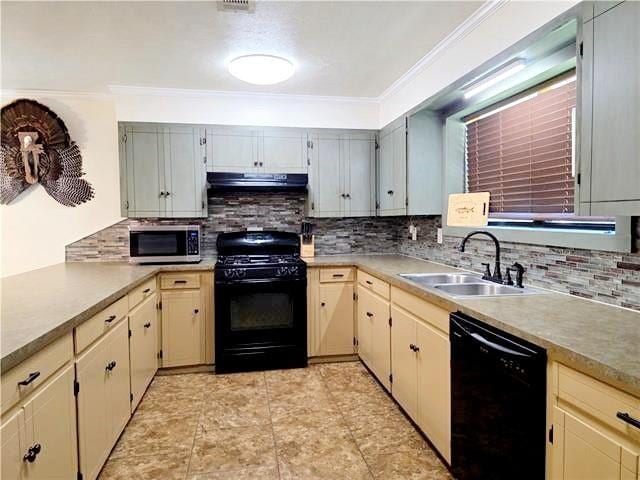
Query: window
x=521, y=150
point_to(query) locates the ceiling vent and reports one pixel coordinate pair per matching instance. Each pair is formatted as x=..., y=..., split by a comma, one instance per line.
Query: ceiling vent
x=247, y=6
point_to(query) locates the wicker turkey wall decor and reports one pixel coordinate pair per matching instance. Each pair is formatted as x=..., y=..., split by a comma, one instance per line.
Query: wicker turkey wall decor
x=36, y=148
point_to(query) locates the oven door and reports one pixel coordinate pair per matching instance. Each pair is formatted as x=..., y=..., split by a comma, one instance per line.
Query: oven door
x=260, y=324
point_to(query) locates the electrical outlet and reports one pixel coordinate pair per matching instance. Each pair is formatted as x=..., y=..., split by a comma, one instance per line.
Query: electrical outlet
x=413, y=231
x=439, y=236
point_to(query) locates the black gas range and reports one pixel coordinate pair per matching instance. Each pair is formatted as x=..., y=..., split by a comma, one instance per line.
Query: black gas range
x=261, y=304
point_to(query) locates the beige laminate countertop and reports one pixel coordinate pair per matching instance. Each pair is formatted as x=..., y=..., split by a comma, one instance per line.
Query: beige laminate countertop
x=604, y=341
x=598, y=339
x=42, y=305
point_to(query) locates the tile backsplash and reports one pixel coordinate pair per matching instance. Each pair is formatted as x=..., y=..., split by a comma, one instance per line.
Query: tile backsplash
x=269, y=211
x=606, y=276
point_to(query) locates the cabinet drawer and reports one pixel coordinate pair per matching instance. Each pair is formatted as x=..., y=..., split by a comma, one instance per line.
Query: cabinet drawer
x=598, y=399
x=436, y=316
x=343, y=274
x=39, y=367
x=179, y=280
x=374, y=284
x=99, y=324
x=141, y=292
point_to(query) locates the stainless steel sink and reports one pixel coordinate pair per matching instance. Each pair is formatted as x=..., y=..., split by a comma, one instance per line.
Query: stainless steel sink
x=438, y=278
x=484, y=289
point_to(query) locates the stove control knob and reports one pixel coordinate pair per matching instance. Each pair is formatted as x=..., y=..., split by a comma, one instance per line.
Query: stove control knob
x=281, y=271
x=228, y=274
x=293, y=270
x=241, y=272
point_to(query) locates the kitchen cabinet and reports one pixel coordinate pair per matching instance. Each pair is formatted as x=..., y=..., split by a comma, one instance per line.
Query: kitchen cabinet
x=163, y=171
x=336, y=318
x=581, y=450
x=143, y=347
x=182, y=328
x=609, y=166
x=424, y=163
x=341, y=174
x=392, y=169
x=374, y=335
x=104, y=404
x=421, y=369
x=256, y=150
x=46, y=426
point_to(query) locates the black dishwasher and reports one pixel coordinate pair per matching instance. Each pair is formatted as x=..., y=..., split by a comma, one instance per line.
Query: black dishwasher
x=498, y=403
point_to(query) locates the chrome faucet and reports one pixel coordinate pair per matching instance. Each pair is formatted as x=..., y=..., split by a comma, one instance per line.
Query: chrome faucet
x=496, y=276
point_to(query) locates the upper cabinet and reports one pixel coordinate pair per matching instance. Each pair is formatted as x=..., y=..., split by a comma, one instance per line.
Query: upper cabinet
x=256, y=150
x=162, y=170
x=392, y=169
x=609, y=180
x=341, y=174
x=424, y=163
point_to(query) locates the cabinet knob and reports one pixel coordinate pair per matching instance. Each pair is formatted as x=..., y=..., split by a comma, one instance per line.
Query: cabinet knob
x=322, y=304
x=146, y=290
x=147, y=325
x=255, y=164
x=390, y=192
x=161, y=194
x=166, y=194
x=110, y=319
x=110, y=366
x=196, y=311
x=348, y=195
x=412, y=347
x=260, y=163
x=369, y=314
x=32, y=453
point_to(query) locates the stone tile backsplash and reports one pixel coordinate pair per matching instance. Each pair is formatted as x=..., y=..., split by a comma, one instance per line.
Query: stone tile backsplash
x=606, y=276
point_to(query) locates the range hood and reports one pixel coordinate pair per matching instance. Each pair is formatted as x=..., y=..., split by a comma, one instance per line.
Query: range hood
x=257, y=182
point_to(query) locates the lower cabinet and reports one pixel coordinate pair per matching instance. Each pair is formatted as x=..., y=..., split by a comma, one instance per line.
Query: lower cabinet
x=104, y=404
x=583, y=451
x=421, y=376
x=374, y=333
x=143, y=347
x=336, y=319
x=39, y=440
x=182, y=328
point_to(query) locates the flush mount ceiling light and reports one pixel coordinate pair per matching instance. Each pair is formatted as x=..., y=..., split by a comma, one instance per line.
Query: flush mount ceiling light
x=495, y=77
x=261, y=69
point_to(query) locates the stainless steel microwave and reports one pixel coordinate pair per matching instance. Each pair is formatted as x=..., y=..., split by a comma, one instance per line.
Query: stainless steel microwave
x=164, y=244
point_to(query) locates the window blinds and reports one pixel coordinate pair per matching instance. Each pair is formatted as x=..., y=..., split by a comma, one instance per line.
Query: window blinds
x=521, y=151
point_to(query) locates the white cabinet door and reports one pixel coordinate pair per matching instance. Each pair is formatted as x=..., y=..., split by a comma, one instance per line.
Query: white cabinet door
x=283, y=151
x=399, y=171
x=185, y=173
x=143, y=324
x=145, y=170
x=392, y=168
x=232, y=150
x=328, y=194
x=615, y=148
x=434, y=387
x=13, y=446
x=360, y=176
x=404, y=361
x=118, y=380
x=50, y=422
x=181, y=328
x=385, y=175
x=336, y=318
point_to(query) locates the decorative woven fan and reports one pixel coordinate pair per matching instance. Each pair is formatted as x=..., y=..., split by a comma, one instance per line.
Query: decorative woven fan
x=36, y=147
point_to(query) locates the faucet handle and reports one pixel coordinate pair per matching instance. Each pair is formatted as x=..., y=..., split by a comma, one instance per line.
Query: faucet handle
x=487, y=272
x=508, y=280
x=519, y=269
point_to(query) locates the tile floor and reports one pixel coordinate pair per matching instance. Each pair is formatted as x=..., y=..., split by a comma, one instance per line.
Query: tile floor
x=330, y=421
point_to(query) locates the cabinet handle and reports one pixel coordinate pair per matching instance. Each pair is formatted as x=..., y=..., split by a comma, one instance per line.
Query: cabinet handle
x=369, y=314
x=146, y=290
x=179, y=281
x=196, y=311
x=412, y=347
x=343, y=195
x=32, y=453
x=625, y=417
x=255, y=164
x=338, y=275
x=161, y=194
x=110, y=319
x=390, y=192
x=368, y=282
x=348, y=195
x=322, y=304
x=147, y=325
x=260, y=163
x=416, y=348
x=32, y=376
x=110, y=366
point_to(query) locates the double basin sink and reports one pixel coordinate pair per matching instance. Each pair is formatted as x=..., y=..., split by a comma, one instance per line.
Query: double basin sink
x=466, y=285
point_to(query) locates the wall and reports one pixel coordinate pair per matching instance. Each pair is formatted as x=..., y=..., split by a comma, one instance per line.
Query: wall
x=468, y=48
x=608, y=277
x=231, y=212
x=36, y=228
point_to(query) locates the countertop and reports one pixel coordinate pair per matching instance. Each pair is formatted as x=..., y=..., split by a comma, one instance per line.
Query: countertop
x=601, y=340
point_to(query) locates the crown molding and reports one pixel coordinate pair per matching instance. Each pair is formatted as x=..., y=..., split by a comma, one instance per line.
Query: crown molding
x=192, y=93
x=14, y=93
x=464, y=29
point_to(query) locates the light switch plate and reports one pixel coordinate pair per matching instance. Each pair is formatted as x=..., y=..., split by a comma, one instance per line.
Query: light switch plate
x=439, y=235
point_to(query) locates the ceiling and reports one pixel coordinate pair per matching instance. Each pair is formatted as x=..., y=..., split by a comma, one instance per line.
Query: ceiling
x=354, y=49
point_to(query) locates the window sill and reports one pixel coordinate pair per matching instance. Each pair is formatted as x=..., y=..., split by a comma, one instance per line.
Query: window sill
x=621, y=241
